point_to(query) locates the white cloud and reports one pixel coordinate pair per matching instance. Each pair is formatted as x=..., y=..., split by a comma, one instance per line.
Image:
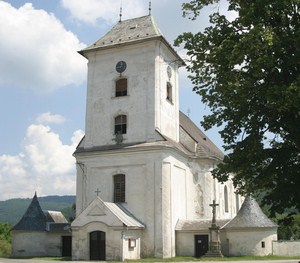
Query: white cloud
x=89, y=11
x=36, y=51
x=46, y=165
x=47, y=118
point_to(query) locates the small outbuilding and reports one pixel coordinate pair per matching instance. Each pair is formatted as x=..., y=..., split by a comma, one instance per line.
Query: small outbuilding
x=249, y=233
x=41, y=233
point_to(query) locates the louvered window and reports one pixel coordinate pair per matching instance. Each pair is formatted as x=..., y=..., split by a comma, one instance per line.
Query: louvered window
x=226, y=199
x=119, y=188
x=169, y=92
x=121, y=87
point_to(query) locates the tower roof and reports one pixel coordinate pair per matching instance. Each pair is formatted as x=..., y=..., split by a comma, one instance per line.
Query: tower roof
x=250, y=216
x=34, y=218
x=129, y=32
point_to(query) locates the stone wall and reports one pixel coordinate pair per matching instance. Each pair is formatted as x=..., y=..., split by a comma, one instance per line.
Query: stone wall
x=286, y=248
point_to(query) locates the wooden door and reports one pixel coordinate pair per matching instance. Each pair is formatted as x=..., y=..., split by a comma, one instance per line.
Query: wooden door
x=66, y=246
x=201, y=245
x=97, y=245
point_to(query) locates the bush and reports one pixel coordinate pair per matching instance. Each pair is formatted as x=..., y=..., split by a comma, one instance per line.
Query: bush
x=5, y=240
x=5, y=248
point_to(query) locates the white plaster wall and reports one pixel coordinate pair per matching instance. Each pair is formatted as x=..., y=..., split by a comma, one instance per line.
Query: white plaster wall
x=131, y=252
x=185, y=243
x=145, y=62
x=167, y=112
x=203, y=189
x=25, y=244
x=143, y=189
x=161, y=187
x=286, y=248
x=249, y=243
x=80, y=241
x=54, y=245
x=103, y=106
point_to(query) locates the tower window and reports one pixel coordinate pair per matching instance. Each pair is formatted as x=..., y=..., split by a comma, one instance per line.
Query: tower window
x=119, y=188
x=121, y=87
x=121, y=124
x=169, y=92
x=226, y=199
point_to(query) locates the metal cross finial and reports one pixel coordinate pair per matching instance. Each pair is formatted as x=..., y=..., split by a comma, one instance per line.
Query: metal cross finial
x=97, y=191
x=120, y=14
x=188, y=112
x=214, y=205
x=149, y=8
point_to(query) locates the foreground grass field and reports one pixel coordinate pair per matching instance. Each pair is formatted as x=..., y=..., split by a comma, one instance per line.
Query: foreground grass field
x=183, y=259
x=193, y=259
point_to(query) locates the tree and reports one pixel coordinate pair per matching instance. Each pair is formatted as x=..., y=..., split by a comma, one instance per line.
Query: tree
x=247, y=72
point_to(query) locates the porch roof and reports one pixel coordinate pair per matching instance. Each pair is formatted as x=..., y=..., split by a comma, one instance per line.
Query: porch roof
x=196, y=225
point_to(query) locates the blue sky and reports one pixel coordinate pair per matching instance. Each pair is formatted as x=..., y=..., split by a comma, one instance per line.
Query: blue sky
x=43, y=84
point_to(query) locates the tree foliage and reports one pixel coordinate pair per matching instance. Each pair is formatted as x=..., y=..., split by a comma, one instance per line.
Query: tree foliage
x=247, y=72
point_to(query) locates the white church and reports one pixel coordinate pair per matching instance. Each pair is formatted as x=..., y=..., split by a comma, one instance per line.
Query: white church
x=144, y=182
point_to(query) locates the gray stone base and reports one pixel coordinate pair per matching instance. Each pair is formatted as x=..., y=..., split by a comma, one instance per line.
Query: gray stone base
x=213, y=254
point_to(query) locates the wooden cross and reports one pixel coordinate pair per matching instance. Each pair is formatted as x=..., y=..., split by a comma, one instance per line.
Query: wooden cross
x=97, y=191
x=214, y=205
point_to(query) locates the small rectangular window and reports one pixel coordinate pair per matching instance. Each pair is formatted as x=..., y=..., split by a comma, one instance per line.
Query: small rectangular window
x=131, y=243
x=169, y=92
x=263, y=245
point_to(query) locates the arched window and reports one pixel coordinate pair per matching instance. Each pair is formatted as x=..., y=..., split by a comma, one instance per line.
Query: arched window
x=169, y=92
x=119, y=188
x=121, y=124
x=237, y=202
x=121, y=87
x=226, y=199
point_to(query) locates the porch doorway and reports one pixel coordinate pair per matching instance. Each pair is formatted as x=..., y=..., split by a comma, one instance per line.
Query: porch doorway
x=97, y=245
x=66, y=246
x=201, y=245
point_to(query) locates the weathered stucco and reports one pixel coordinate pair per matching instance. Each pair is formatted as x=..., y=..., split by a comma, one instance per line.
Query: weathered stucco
x=252, y=242
x=36, y=244
x=286, y=248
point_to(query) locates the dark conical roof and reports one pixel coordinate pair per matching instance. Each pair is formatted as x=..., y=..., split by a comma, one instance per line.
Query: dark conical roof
x=33, y=219
x=250, y=216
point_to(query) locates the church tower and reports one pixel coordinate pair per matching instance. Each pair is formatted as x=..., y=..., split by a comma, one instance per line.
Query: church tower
x=132, y=85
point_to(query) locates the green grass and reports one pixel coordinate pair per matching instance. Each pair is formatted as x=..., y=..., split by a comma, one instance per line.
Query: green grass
x=191, y=259
x=178, y=259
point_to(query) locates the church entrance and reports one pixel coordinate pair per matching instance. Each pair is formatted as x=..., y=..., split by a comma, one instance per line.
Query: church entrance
x=97, y=245
x=201, y=245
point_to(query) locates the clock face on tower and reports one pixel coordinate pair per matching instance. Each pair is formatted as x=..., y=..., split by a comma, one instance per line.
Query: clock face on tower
x=121, y=66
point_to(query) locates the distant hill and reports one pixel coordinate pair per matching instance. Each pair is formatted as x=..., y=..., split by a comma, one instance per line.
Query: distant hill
x=12, y=210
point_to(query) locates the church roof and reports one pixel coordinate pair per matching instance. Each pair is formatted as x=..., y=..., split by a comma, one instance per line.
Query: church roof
x=131, y=31
x=55, y=217
x=124, y=215
x=205, y=147
x=111, y=214
x=196, y=225
x=250, y=216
